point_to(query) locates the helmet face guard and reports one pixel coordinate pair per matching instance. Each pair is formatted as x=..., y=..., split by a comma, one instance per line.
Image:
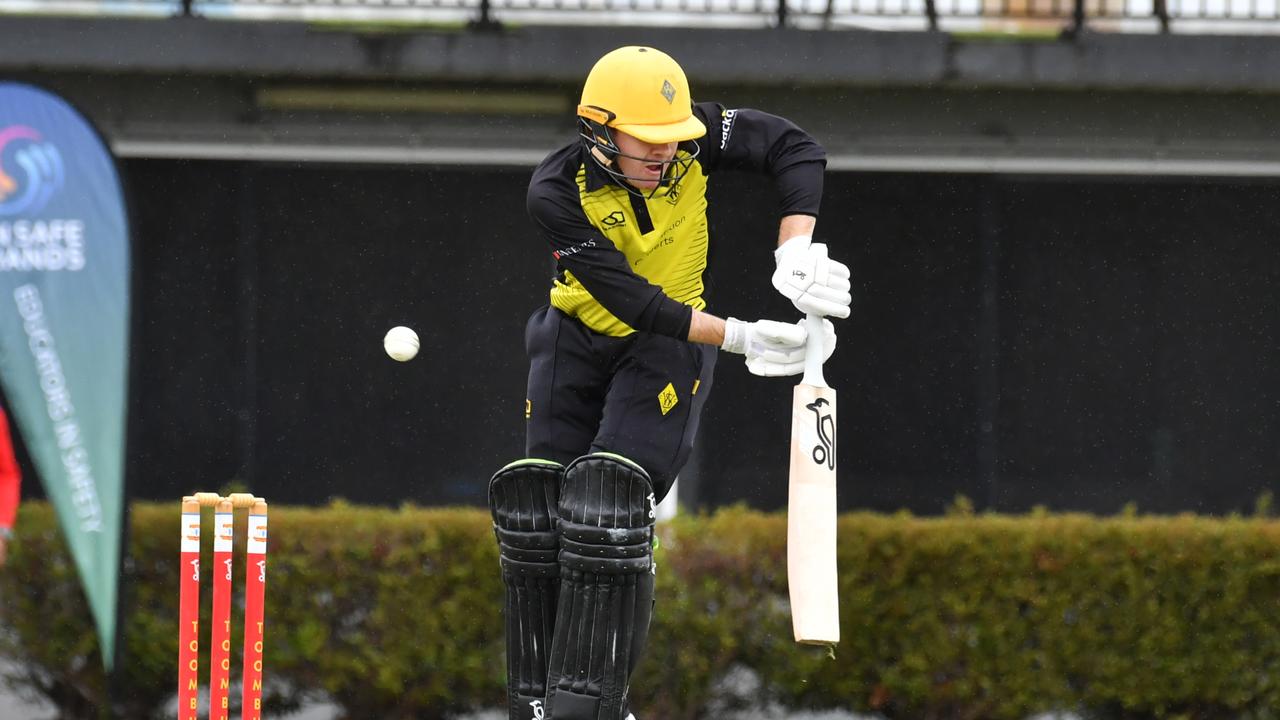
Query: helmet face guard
x=597, y=138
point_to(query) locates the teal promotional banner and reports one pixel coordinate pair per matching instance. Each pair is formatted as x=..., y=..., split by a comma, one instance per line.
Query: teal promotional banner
x=64, y=326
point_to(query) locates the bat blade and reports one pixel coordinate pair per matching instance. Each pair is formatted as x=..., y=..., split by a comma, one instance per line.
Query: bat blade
x=811, y=517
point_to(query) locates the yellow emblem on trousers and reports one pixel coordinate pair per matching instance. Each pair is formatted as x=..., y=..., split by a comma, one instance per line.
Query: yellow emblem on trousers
x=528, y=408
x=667, y=398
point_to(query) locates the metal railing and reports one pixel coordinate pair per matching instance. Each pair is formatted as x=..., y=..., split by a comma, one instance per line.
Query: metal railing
x=1261, y=16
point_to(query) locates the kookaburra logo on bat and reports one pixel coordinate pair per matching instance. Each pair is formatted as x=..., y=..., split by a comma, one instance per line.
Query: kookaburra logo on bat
x=824, y=453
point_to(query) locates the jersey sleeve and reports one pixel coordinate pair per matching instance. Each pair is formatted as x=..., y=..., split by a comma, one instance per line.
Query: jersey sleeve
x=10, y=476
x=597, y=263
x=755, y=141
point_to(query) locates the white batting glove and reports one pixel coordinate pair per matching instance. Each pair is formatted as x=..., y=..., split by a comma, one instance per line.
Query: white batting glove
x=774, y=349
x=814, y=283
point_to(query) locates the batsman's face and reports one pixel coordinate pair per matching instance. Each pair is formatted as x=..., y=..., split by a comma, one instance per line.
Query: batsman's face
x=643, y=163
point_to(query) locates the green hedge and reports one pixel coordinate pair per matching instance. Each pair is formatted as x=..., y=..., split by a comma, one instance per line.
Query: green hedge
x=395, y=614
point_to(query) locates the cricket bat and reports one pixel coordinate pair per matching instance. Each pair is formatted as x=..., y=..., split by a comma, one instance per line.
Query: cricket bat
x=811, y=507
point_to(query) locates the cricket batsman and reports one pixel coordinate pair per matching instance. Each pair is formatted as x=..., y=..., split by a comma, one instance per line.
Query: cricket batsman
x=621, y=363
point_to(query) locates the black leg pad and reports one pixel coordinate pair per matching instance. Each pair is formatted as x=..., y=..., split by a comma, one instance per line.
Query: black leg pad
x=606, y=514
x=523, y=497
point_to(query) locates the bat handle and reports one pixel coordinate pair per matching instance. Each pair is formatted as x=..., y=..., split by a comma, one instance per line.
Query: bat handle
x=814, y=352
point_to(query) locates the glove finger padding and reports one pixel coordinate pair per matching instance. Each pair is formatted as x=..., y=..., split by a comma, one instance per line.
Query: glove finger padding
x=812, y=305
x=773, y=334
x=827, y=272
x=828, y=339
x=838, y=288
x=764, y=368
x=835, y=273
x=829, y=294
x=754, y=338
x=780, y=355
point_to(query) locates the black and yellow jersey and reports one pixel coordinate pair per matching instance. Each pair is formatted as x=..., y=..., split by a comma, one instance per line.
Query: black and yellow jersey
x=628, y=263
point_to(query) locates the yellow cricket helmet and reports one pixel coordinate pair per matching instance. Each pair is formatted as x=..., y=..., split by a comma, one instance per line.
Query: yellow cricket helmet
x=643, y=92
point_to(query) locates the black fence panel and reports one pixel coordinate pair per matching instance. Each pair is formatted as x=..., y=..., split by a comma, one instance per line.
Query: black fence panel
x=264, y=322
x=904, y=361
x=1139, y=344
x=1077, y=343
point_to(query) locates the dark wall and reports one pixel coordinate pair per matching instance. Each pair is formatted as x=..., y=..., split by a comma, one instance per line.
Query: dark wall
x=266, y=291
x=904, y=361
x=1078, y=343
x=1139, y=344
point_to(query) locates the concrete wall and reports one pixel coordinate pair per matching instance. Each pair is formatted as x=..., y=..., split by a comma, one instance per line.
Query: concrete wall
x=1094, y=103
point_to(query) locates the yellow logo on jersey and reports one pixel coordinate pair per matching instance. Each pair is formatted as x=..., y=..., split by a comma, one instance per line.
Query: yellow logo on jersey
x=667, y=398
x=528, y=408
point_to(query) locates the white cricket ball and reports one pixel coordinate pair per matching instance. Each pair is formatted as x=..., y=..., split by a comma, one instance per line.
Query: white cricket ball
x=401, y=343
